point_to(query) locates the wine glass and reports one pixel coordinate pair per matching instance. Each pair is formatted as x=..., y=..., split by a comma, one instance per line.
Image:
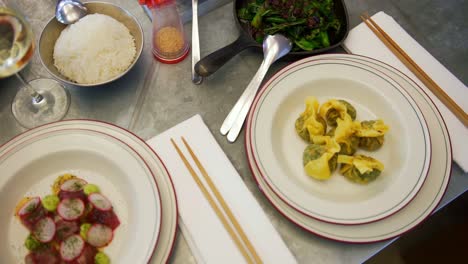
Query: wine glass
x=39, y=101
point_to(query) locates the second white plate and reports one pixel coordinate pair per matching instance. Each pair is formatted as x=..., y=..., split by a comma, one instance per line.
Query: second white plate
x=277, y=149
x=415, y=212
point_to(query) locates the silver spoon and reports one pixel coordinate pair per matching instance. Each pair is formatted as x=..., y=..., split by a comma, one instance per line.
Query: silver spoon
x=69, y=11
x=274, y=47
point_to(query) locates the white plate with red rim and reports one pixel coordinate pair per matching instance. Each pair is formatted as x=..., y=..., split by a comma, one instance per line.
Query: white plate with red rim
x=410, y=216
x=128, y=172
x=277, y=149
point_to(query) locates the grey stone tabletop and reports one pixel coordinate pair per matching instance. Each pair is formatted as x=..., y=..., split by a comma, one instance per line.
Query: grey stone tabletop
x=169, y=96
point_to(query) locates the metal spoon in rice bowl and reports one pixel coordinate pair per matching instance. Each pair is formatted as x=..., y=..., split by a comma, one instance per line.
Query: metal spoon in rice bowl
x=53, y=28
x=69, y=11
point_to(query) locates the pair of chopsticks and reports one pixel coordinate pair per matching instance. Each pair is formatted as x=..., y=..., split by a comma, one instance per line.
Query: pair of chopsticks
x=415, y=69
x=234, y=229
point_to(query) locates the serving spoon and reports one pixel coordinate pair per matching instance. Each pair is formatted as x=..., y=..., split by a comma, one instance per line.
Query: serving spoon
x=69, y=11
x=274, y=47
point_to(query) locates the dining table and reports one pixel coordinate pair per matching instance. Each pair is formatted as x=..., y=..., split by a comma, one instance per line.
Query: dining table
x=154, y=96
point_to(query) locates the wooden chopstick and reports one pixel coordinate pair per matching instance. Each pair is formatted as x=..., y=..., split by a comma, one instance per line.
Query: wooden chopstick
x=221, y=200
x=415, y=69
x=248, y=246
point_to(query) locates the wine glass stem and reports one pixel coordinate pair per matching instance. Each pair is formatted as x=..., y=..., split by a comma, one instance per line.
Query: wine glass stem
x=36, y=97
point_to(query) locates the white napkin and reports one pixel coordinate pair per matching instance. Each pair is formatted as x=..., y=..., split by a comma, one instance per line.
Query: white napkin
x=204, y=232
x=361, y=40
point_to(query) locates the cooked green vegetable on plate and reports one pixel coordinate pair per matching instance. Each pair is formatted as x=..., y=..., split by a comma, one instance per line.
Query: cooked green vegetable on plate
x=309, y=24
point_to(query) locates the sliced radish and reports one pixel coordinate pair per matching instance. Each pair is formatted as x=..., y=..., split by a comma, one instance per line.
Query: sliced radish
x=72, y=195
x=29, y=206
x=73, y=185
x=44, y=230
x=72, y=247
x=99, y=235
x=31, y=212
x=100, y=202
x=72, y=188
x=71, y=209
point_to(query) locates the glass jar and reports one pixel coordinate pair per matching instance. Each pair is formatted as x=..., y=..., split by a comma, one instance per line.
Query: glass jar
x=169, y=42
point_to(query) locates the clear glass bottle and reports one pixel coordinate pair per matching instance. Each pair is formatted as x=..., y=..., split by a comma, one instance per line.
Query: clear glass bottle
x=169, y=42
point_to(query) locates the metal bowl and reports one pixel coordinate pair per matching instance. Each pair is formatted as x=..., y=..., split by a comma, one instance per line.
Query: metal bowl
x=52, y=30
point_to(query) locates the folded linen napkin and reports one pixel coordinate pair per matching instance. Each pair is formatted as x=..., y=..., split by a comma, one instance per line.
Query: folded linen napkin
x=204, y=232
x=361, y=40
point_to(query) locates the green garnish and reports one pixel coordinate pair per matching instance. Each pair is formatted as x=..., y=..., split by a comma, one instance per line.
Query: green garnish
x=101, y=258
x=309, y=24
x=32, y=243
x=91, y=188
x=84, y=230
x=50, y=202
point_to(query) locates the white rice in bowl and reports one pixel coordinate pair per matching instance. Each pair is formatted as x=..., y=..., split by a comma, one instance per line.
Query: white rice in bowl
x=95, y=49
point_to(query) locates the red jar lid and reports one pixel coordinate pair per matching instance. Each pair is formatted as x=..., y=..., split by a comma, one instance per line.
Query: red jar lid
x=153, y=3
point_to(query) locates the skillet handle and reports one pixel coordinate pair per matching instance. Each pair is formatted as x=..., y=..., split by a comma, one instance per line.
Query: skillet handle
x=212, y=62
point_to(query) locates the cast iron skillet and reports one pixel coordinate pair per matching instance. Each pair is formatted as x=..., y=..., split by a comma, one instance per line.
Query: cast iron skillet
x=212, y=62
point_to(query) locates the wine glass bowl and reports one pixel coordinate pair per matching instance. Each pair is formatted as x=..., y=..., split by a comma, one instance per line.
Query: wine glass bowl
x=16, y=42
x=37, y=102
x=53, y=29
